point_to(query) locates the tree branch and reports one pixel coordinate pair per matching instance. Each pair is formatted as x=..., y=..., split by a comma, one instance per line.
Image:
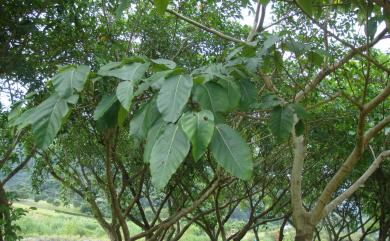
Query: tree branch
x=325, y=71
x=352, y=189
x=207, y=29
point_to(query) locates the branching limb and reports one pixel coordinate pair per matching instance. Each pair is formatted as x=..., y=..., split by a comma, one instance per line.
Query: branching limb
x=352, y=189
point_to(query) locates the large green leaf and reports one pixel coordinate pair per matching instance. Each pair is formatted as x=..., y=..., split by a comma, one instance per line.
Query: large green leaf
x=248, y=93
x=155, y=81
x=164, y=62
x=123, y=5
x=132, y=72
x=173, y=96
x=231, y=152
x=306, y=5
x=153, y=135
x=124, y=93
x=212, y=96
x=199, y=128
x=104, y=105
x=167, y=154
x=46, y=119
x=281, y=122
x=161, y=5
x=268, y=102
x=144, y=119
x=233, y=92
x=113, y=116
x=70, y=79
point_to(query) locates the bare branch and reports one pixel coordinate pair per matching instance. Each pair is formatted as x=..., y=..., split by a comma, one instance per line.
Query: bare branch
x=327, y=70
x=207, y=29
x=377, y=128
x=352, y=189
x=378, y=99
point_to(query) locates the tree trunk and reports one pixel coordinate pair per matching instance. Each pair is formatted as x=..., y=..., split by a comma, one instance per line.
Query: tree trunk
x=384, y=230
x=304, y=236
x=4, y=213
x=113, y=235
x=305, y=233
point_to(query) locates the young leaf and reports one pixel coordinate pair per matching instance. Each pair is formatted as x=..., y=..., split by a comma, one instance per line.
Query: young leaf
x=281, y=122
x=212, y=96
x=167, y=154
x=103, y=106
x=173, y=96
x=231, y=152
x=124, y=93
x=70, y=79
x=199, y=128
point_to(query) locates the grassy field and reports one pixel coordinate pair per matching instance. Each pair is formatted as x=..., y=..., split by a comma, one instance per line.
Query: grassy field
x=67, y=223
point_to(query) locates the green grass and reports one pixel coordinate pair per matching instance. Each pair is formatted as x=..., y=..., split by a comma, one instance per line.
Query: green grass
x=46, y=220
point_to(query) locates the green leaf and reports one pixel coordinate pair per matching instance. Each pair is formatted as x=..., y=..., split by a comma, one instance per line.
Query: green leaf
x=153, y=134
x=122, y=114
x=212, y=96
x=269, y=42
x=231, y=152
x=299, y=128
x=199, y=128
x=281, y=122
x=144, y=119
x=155, y=81
x=296, y=47
x=70, y=79
x=124, y=93
x=46, y=119
x=123, y=5
x=248, y=93
x=315, y=57
x=371, y=28
x=233, y=53
x=165, y=62
x=103, y=106
x=167, y=154
x=115, y=115
x=161, y=5
x=268, y=102
x=132, y=72
x=306, y=5
x=173, y=96
x=233, y=92
x=211, y=72
x=300, y=111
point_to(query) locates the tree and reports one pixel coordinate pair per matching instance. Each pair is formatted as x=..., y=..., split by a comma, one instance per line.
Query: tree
x=190, y=121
